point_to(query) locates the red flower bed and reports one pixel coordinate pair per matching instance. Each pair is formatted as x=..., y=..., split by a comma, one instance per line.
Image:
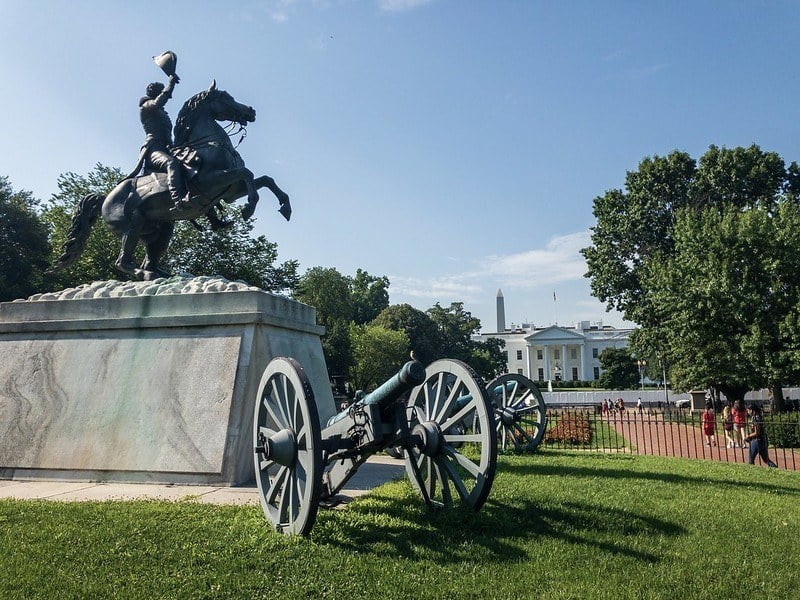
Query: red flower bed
x=571, y=428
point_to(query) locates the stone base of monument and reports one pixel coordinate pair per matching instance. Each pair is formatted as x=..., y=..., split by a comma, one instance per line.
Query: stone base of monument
x=145, y=382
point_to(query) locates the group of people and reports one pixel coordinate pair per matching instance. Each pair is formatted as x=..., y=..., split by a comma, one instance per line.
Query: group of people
x=734, y=424
x=609, y=407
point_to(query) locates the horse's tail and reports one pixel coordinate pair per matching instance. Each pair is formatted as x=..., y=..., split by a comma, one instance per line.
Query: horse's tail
x=82, y=221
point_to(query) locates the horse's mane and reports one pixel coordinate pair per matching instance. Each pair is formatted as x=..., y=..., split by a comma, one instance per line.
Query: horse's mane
x=183, y=122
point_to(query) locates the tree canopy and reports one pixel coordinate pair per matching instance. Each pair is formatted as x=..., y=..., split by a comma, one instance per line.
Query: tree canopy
x=423, y=336
x=341, y=300
x=456, y=327
x=377, y=354
x=24, y=244
x=702, y=255
x=619, y=369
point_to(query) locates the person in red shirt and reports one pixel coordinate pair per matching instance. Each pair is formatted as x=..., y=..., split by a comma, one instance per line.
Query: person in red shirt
x=739, y=423
x=709, y=422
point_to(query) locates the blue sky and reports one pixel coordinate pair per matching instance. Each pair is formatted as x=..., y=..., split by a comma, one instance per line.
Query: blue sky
x=454, y=146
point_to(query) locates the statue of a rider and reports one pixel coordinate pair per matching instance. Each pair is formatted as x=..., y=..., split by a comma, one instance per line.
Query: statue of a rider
x=157, y=125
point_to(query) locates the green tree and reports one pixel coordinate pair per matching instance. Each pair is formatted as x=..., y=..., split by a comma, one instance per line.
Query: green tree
x=619, y=370
x=327, y=290
x=97, y=261
x=423, y=336
x=370, y=295
x=730, y=292
x=340, y=300
x=488, y=359
x=378, y=353
x=455, y=327
x=232, y=253
x=636, y=242
x=24, y=246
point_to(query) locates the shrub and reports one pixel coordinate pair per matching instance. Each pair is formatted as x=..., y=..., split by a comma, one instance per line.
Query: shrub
x=783, y=431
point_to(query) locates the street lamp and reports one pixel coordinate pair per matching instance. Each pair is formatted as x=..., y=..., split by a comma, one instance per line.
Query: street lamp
x=642, y=364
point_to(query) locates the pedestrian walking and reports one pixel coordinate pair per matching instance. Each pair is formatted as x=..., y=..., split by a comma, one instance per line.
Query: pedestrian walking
x=727, y=425
x=758, y=436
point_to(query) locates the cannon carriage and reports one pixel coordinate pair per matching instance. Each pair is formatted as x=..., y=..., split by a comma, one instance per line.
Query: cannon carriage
x=301, y=462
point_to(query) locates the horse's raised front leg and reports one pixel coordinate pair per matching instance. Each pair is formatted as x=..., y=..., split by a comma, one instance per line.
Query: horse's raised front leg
x=252, y=195
x=283, y=198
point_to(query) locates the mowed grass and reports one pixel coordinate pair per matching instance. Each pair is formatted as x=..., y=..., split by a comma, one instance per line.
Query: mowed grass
x=557, y=525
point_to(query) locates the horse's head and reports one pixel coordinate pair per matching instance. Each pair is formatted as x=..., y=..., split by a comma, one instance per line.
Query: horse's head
x=225, y=108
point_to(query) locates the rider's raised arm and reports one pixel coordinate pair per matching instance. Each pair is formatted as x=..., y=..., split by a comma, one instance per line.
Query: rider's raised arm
x=165, y=95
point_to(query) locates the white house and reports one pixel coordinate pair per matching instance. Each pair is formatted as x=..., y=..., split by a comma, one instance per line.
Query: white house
x=556, y=352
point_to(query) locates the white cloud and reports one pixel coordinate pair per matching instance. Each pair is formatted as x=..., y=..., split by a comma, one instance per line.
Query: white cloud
x=439, y=289
x=278, y=10
x=558, y=262
x=400, y=5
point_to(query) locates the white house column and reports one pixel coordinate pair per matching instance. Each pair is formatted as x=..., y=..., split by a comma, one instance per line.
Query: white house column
x=547, y=362
x=564, y=363
x=528, y=365
x=582, y=348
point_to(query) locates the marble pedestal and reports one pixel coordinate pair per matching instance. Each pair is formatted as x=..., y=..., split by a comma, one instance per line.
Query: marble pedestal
x=145, y=388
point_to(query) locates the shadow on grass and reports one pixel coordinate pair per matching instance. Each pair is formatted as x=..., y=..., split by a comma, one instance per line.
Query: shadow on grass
x=499, y=533
x=591, y=472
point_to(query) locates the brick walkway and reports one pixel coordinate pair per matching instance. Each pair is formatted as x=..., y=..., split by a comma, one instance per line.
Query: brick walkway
x=653, y=435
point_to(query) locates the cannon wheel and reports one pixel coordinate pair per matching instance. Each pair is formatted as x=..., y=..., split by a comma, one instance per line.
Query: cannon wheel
x=287, y=447
x=445, y=458
x=520, y=412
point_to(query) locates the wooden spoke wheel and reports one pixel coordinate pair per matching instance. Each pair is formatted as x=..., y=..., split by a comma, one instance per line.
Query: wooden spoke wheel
x=451, y=451
x=287, y=447
x=520, y=412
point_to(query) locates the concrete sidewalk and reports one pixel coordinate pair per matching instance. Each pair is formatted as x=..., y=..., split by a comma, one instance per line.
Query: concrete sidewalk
x=377, y=470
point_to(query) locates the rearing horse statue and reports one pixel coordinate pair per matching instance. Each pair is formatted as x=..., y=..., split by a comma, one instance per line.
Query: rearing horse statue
x=138, y=208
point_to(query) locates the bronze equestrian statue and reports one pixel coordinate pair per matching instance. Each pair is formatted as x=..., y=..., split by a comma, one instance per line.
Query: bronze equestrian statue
x=145, y=207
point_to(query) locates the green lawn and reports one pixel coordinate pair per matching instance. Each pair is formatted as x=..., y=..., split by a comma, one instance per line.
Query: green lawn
x=556, y=525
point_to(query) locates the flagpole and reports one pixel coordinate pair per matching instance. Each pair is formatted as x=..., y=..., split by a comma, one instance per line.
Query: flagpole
x=555, y=309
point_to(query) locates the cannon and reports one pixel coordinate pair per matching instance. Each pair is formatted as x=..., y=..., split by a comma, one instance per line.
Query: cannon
x=520, y=412
x=300, y=462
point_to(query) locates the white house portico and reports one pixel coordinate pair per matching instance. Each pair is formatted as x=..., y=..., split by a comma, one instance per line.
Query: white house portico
x=555, y=353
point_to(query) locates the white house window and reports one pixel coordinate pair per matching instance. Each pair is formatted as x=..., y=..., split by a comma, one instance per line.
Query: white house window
x=519, y=354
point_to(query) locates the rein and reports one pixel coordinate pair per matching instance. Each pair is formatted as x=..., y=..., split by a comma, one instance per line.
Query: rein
x=210, y=140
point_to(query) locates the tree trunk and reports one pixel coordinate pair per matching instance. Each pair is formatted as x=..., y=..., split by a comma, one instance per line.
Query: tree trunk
x=777, y=397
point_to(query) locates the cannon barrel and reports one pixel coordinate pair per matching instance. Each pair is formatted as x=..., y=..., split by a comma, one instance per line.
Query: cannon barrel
x=462, y=401
x=411, y=375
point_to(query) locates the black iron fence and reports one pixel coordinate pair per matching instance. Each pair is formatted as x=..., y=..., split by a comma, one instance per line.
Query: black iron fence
x=669, y=433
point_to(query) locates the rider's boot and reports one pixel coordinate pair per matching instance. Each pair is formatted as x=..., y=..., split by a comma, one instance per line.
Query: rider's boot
x=181, y=203
x=181, y=197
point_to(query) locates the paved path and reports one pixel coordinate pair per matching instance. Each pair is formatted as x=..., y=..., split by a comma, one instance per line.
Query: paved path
x=377, y=470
